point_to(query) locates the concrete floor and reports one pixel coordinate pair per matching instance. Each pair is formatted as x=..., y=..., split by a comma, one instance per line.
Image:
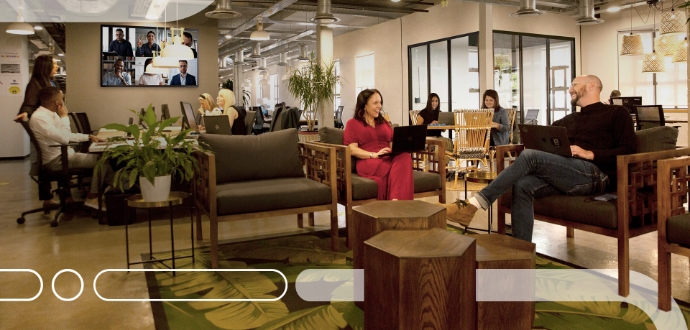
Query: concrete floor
x=81, y=244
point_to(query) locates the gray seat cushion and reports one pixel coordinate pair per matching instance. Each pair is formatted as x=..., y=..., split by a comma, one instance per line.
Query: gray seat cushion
x=363, y=188
x=656, y=139
x=678, y=229
x=580, y=209
x=331, y=135
x=269, y=195
x=255, y=157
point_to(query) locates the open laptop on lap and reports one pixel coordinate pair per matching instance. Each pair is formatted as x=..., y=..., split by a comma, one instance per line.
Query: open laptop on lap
x=217, y=125
x=551, y=139
x=408, y=139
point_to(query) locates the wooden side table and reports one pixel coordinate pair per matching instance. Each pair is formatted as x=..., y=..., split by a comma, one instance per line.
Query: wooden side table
x=175, y=198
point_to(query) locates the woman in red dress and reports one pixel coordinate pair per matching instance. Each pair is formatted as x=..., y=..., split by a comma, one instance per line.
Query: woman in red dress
x=370, y=136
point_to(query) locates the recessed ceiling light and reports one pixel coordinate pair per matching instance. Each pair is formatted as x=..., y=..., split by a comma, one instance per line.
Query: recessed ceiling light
x=61, y=54
x=38, y=28
x=228, y=36
x=395, y=0
x=613, y=9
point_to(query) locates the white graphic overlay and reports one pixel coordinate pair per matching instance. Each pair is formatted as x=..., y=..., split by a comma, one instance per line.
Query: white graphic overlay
x=40, y=280
x=331, y=285
x=81, y=284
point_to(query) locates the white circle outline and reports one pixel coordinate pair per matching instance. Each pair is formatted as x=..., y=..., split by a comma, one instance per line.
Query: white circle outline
x=81, y=281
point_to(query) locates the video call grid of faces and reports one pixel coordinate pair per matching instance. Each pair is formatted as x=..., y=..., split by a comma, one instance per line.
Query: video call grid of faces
x=134, y=46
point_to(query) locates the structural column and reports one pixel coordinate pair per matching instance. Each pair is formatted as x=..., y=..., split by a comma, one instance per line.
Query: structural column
x=486, y=50
x=324, y=55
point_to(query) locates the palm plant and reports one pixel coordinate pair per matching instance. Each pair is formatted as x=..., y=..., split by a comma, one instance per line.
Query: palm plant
x=312, y=84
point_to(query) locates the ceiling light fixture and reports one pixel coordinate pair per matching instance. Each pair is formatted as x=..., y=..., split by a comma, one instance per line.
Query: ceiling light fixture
x=223, y=11
x=153, y=70
x=38, y=27
x=527, y=7
x=303, y=53
x=681, y=53
x=665, y=45
x=239, y=57
x=259, y=34
x=20, y=28
x=587, y=14
x=247, y=83
x=672, y=22
x=256, y=52
x=653, y=62
x=632, y=44
x=176, y=49
x=613, y=9
x=283, y=59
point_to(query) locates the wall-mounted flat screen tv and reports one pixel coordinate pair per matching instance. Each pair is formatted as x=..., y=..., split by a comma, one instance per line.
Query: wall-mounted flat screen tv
x=126, y=50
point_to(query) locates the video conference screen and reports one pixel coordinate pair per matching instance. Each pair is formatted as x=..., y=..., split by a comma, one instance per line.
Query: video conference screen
x=126, y=50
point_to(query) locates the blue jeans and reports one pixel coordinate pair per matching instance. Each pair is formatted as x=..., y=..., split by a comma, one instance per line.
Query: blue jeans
x=537, y=174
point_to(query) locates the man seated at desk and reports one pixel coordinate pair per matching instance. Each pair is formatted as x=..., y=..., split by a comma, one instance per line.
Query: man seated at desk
x=50, y=124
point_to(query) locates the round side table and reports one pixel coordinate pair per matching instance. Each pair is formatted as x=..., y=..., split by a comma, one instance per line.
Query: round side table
x=482, y=177
x=137, y=202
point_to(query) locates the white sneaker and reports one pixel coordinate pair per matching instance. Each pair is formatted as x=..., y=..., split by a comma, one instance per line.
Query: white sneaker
x=93, y=203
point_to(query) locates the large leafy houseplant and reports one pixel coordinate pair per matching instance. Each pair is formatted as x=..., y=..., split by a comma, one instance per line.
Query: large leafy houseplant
x=312, y=84
x=149, y=153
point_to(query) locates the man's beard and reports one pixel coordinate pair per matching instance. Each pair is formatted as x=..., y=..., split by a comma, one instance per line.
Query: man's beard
x=578, y=96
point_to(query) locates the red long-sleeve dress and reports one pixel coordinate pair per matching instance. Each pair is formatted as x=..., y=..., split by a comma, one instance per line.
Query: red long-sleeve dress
x=393, y=175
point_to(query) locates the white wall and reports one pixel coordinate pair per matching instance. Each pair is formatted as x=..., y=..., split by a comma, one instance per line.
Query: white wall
x=15, y=140
x=110, y=105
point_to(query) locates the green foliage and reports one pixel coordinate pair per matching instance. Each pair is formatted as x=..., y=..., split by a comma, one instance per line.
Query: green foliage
x=312, y=84
x=150, y=153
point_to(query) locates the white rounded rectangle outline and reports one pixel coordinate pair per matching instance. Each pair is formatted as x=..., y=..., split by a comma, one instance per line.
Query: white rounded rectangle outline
x=40, y=279
x=188, y=270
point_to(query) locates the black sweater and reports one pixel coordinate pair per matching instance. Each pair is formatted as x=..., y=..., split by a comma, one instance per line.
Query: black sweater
x=606, y=130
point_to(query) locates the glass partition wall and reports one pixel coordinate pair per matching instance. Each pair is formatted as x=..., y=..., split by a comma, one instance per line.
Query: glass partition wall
x=448, y=67
x=533, y=72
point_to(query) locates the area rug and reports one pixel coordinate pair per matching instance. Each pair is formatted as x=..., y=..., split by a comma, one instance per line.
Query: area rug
x=293, y=254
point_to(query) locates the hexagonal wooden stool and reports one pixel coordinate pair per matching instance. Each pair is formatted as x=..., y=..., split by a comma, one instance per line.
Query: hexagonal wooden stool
x=420, y=279
x=373, y=218
x=505, y=252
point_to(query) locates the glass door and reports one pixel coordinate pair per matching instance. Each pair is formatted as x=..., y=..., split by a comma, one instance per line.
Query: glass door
x=560, y=60
x=418, y=81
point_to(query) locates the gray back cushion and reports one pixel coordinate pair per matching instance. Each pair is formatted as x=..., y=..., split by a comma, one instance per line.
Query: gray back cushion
x=656, y=139
x=255, y=157
x=331, y=135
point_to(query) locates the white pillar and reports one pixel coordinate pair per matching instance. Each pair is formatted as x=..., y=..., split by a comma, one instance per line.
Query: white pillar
x=486, y=51
x=12, y=88
x=324, y=55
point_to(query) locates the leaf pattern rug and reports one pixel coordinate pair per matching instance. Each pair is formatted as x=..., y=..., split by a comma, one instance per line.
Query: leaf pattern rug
x=293, y=254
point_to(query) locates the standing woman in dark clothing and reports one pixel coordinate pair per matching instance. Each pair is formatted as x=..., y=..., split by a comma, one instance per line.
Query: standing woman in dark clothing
x=500, y=125
x=45, y=68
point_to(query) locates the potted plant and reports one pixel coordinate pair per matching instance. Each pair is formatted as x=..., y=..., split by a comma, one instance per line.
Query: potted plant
x=312, y=84
x=151, y=156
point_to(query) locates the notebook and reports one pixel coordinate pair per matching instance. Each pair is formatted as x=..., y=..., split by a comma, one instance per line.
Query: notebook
x=551, y=139
x=408, y=139
x=218, y=125
x=446, y=118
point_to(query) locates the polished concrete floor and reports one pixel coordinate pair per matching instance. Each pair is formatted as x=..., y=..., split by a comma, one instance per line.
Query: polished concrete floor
x=79, y=243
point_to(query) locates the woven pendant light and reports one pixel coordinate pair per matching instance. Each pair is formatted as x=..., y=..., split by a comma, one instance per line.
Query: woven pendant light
x=665, y=45
x=672, y=22
x=632, y=44
x=681, y=53
x=653, y=63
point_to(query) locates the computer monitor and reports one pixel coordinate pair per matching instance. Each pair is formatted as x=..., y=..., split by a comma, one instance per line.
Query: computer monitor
x=189, y=118
x=627, y=101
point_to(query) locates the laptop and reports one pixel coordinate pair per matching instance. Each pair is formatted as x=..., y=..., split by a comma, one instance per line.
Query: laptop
x=217, y=125
x=551, y=139
x=531, y=116
x=408, y=139
x=446, y=118
x=189, y=118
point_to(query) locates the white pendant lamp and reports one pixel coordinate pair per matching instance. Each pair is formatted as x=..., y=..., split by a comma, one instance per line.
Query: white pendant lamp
x=164, y=62
x=246, y=83
x=259, y=34
x=153, y=70
x=20, y=29
x=176, y=49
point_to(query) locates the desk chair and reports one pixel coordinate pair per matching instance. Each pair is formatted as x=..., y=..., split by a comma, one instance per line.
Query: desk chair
x=649, y=116
x=42, y=176
x=249, y=121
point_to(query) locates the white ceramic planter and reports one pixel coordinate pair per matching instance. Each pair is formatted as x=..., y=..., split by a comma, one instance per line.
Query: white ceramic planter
x=158, y=191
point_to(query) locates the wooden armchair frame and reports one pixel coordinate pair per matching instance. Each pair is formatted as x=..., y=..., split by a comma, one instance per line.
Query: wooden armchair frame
x=637, y=197
x=673, y=186
x=431, y=159
x=319, y=164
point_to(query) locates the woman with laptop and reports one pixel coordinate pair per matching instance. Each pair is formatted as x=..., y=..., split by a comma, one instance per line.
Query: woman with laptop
x=369, y=137
x=500, y=125
x=226, y=100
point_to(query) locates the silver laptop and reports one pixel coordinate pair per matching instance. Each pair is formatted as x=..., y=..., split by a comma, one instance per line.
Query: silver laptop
x=217, y=125
x=551, y=139
x=446, y=118
x=531, y=116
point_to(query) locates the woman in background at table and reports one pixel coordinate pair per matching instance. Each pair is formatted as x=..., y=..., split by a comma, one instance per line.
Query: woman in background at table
x=226, y=100
x=500, y=126
x=369, y=137
x=430, y=116
x=150, y=78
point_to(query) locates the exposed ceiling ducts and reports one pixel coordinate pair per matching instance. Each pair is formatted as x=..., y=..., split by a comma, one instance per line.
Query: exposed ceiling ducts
x=527, y=7
x=587, y=14
x=223, y=11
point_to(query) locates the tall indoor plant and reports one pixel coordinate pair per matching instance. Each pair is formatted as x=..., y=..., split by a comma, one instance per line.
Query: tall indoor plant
x=150, y=155
x=312, y=84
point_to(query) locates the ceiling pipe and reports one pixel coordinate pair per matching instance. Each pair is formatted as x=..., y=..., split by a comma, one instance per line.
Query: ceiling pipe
x=587, y=14
x=527, y=8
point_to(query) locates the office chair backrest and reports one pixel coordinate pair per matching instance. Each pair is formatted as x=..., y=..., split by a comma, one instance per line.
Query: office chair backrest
x=277, y=121
x=74, y=123
x=36, y=154
x=249, y=121
x=338, y=120
x=165, y=112
x=84, y=122
x=649, y=116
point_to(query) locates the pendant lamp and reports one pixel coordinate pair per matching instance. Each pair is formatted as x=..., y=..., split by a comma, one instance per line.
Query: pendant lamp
x=653, y=62
x=165, y=62
x=681, y=53
x=20, y=28
x=672, y=22
x=154, y=70
x=632, y=44
x=176, y=49
x=665, y=45
x=260, y=33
